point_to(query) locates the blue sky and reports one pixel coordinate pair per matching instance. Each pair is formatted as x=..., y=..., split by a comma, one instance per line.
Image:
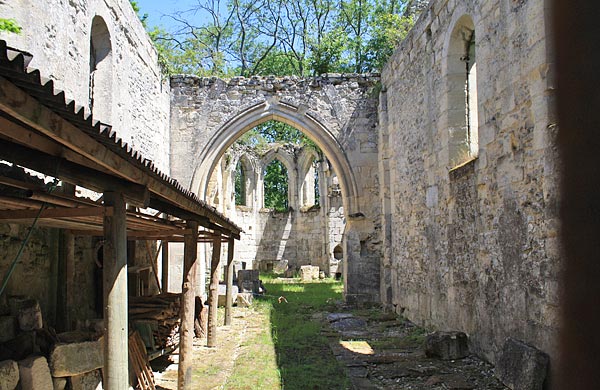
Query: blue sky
x=156, y=9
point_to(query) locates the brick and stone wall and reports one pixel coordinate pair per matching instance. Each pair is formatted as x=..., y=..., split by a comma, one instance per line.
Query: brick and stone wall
x=473, y=247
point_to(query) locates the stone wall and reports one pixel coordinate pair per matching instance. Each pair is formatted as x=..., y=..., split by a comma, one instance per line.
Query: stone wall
x=473, y=247
x=57, y=33
x=338, y=112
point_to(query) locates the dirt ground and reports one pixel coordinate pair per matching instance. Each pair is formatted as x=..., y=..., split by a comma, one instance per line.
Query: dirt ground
x=379, y=351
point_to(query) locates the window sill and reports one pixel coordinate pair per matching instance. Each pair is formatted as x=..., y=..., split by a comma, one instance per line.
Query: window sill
x=463, y=168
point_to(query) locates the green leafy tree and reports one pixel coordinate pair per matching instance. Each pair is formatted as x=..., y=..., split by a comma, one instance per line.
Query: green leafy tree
x=10, y=25
x=276, y=186
x=284, y=37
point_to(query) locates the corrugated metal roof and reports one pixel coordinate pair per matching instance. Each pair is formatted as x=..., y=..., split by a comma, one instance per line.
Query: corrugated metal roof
x=13, y=67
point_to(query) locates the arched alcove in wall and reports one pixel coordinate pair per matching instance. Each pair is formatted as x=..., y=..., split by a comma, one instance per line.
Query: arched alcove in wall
x=101, y=71
x=288, y=114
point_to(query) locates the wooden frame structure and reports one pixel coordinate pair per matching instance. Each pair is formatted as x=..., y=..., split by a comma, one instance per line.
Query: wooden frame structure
x=41, y=131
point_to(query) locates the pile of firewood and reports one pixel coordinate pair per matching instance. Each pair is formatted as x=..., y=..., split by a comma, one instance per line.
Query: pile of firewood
x=162, y=309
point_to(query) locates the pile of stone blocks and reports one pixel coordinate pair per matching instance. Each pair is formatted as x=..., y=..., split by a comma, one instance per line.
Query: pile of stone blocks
x=32, y=358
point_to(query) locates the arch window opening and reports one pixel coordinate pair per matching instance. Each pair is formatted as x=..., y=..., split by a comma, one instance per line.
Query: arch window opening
x=462, y=110
x=100, y=79
x=276, y=186
x=269, y=181
x=471, y=96
x=310, y=193
x=240, y=185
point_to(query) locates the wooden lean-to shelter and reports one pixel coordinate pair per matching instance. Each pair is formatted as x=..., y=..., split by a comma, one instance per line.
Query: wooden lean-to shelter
x=42, y=131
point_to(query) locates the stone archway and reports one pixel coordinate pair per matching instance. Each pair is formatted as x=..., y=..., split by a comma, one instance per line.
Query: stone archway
x=339, y=113
x=293, y=116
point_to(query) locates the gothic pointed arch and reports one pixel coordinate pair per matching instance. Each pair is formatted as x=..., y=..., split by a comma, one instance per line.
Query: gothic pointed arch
x=294, y=116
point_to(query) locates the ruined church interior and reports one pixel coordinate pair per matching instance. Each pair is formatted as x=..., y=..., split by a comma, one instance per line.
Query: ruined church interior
x=457, y=189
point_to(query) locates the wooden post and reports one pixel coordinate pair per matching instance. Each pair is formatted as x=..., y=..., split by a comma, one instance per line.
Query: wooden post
x=66, y=273
x=213, y=297
x=229, y=280
x=116, y=372
x=165, y=266
x=188, y=295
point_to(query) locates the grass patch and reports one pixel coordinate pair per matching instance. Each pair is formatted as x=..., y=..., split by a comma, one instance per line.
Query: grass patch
x=303, y=354
x=287, y=350
x=256, y=366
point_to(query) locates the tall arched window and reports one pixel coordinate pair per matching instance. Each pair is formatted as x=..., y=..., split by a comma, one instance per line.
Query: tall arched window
x=101, y=71
x=240, y=184
x=276, y=186
x=462, y=93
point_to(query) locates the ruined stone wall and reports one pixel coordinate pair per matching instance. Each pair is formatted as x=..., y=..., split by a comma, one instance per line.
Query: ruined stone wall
x=339, y=112
x=295, y=236
x=57, y=33
x=474, y=247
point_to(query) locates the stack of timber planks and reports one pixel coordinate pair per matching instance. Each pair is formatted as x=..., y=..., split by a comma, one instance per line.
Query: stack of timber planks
x=163, y=309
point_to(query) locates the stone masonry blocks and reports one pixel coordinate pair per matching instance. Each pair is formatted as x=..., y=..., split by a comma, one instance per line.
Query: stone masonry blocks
x=76, y=358
x=9, y=375
x=35, y=374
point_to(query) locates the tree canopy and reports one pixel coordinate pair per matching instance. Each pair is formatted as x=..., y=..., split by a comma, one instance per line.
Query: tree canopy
x=283, y=37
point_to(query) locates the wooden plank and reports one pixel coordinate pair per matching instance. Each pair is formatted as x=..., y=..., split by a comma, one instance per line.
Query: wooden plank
x=165, y=266
x=57, y=213
x=116, y=374
x=73, y=173
x=153, y=264
x=188, y=296
x=229, y=281
x=24, y=135
x=213, y=293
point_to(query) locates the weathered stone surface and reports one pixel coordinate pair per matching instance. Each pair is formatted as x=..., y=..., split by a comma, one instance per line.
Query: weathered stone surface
x=35, y=374
x=7, y=328
x=309, y=273
x=244, y=299
x=59, y=383
x=281, y=266
x=223, y=294
x=76, y=358
x=472, y=248
x=88, y=381
x=338, y=316
x=30, y=316
x=248, y=280
x=447, y=345
x=522, y=367
x=344, y=105
x=9, y=375
x=349, y=324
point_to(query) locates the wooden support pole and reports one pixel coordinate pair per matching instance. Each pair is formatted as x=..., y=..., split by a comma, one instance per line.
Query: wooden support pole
x=213, y=297
x=229, y=280
x=67, y=263
x=116, y=373
x=165, y=266
x=188, y=296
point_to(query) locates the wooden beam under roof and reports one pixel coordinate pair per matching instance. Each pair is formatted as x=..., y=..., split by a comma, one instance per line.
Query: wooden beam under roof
x=18, y=104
